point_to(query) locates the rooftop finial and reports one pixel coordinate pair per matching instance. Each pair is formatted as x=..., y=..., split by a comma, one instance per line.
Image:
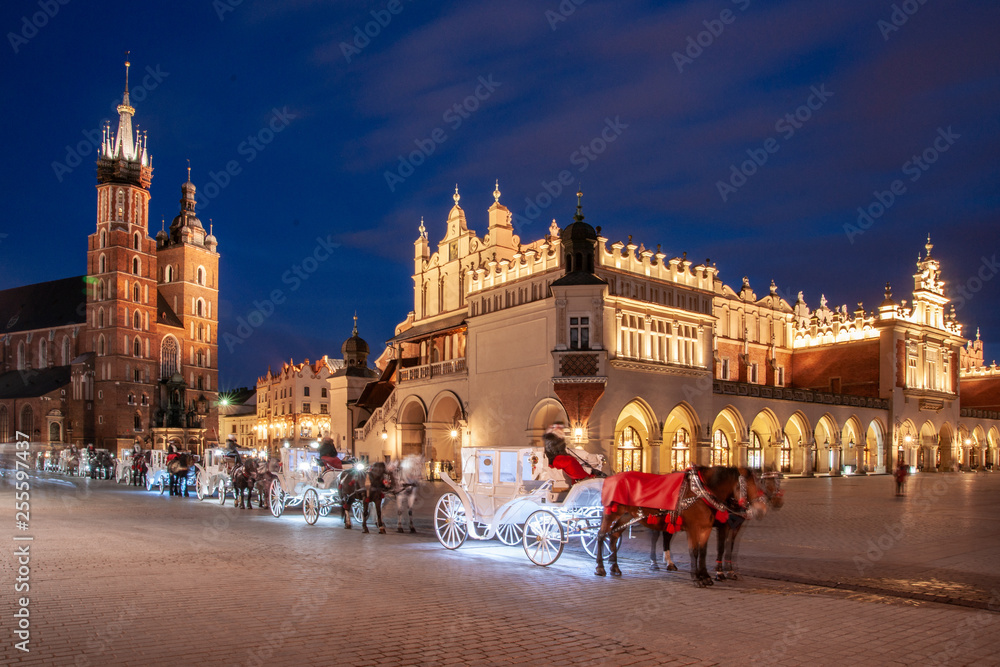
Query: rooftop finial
x=456, y=196
x=977, y=333
x=422, y=229
x=579, y=205
x=888, y=290
x=163, y=223
x=355, y=323
x=210, y=227
x=189, y=170
x=496, y=192
x=928, y=246
x=127, y=65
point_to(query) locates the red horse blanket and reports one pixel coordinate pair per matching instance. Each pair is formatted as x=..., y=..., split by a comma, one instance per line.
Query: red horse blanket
x=642, y=489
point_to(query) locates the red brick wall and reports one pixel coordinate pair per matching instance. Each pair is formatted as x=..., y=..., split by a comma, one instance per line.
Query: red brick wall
x=856, y=364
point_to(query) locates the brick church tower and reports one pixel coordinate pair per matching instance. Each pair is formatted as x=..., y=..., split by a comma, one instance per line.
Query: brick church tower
x=121, y=299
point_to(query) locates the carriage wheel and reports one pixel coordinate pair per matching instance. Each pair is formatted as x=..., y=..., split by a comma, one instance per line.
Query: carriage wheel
x=162, y=485
x=543, y=538
x=325, y=509
x=450, y=521
x=201, y=487
x=310, y=506
x=222, y=493
x=589, y=543
x=277, y=503
x=510, y=533
x=358, y=511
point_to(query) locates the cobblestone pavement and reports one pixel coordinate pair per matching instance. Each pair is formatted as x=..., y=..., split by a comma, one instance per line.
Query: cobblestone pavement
x=125, y=577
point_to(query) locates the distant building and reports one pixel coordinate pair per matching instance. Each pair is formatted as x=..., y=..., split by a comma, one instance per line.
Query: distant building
x=238, y=416
x=657, y=363
x=127, y=351
x=303, y=403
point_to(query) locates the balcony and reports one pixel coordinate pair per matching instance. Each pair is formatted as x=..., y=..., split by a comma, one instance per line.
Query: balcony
x=435, y=370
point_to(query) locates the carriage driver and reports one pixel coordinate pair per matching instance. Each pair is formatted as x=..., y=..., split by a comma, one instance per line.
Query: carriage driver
x=328, y=454
x=559, y=457
x=232, y=449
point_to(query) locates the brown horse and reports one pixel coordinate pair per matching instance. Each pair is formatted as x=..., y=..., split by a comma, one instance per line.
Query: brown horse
x=703, y=496
x=351, y=487
x=378, y=487
x=178, y=468
x=265, y=475
x=244, y=478
x=726, y=532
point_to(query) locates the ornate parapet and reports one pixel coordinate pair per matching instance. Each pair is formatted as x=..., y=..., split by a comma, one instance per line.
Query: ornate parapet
x=799, y=395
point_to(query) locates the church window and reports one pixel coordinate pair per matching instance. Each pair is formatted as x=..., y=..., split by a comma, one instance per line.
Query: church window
x=135, y=265
x=137, y=347
x=100, y=345
x=724, y=372
x=120, y=206
x=201, y=276
x=200, y=308
x=579, y=333
x=43, y=353
x=100, y=318
x=755, y=452
x=102, y=264
x=137, y=320
x=137, y=421
x=104, y=238
x=100, y=290
x=136, y=295
x=753, y=373
x=135, y=241
x=27, y=421
x=169, y=357
x=20, y=356
x=65, y=351
x=168, y=274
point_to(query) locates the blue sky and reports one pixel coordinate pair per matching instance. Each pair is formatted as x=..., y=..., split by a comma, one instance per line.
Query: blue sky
x=322, y=128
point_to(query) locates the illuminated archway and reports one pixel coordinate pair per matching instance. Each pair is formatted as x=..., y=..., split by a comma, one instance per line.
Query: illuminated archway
x=634, y=428
x=765, y=440
x=727, y=435
x=799, y=442
x=827, y=438
x=680, y=436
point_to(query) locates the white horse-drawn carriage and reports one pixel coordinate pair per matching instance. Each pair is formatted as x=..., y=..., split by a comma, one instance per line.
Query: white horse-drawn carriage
x=214, y=474
x=508, y=492
x=302, y=482
x=123, y=467
x=157, y=474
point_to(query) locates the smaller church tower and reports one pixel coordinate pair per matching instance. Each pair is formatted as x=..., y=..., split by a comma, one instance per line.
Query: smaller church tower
x=121, y=299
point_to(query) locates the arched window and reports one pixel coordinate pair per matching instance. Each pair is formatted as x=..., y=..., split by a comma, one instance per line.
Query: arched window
x=755, y=453
x=65, y=351
x=680, y=455
x=628, y=455
x=144, y=400
x=43, y=353
x=100, y=344
x=4, y=424
x=131, y=398
x=137, y=347
x=100, y=318
x=27, y=421
x=169, y=357
x=168, y=274
x=720, y=448
x=135, y=265
x=138, y=421
x=120, y=206
x=201, y=276
x=135, y=241
x=137, y=320
x=21, y=361
x=200, y=308
x=136, y=294
x=104, y=238
x=100, y=290
x=102, y=264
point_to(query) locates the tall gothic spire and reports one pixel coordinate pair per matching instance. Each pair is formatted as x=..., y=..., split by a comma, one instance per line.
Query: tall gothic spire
x=125, y=144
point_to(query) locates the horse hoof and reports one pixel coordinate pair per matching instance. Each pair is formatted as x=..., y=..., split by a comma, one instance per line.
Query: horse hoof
x=365, y=531
x=720, y=577
x=413, y=530
x=615, y=572
x=600, y=572
x=381, y=531
x=708, y=581
x=653, y=566
x=399, y=530
x=671, y=567
x=734, y=576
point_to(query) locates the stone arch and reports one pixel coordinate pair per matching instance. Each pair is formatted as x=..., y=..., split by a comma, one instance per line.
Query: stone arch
x=853, y=446
x=827, y=438
x=949, y=450
x=879, y=458
x=635, y=428
x=927, y=442
x=799, y=447
x=545, y=413
x=727, y=436
x=444, y=433
x=680, y=437
x=993, y=447
x=412, y=414
x=764, y=437
x=977, y=448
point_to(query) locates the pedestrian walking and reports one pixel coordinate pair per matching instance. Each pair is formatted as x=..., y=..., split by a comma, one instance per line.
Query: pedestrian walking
x=901, y=473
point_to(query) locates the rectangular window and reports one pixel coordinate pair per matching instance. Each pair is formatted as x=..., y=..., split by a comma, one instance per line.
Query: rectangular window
x=322, y=392
x=753, y=373
x=724, y=374
x=779, y=376
x=485, y=467
x=579, y=333
x=508, y=467
x=305, y=391
x=323, y=409
x=306, y=407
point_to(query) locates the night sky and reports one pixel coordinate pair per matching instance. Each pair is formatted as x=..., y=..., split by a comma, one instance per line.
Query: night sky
x=336, y=135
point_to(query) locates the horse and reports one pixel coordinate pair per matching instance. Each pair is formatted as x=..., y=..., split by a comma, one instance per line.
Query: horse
x=140, y=466
x=376, y=490
x=405, y=477
x=700, y=498
x=351, y=487
x=265, y=475
x=726, y=532
x=244, y=478
x=178, y=468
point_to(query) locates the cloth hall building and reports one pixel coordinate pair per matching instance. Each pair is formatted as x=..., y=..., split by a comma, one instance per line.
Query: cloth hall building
x=657, y=363
x=126, y=352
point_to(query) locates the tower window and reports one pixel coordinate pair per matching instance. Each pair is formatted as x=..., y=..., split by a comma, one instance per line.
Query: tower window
x=137, y=347
x=102, y=264
x=201, y=276
x=135, y=293
x=579, y=333
x=104, y=239
x=135, y=241
x=135, y=265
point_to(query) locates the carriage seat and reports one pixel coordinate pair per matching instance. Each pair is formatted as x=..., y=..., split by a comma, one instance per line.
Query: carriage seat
x=331, y=463
x=570, y=466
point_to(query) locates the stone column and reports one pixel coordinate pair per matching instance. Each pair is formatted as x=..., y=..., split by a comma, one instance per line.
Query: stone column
x=835, y=460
